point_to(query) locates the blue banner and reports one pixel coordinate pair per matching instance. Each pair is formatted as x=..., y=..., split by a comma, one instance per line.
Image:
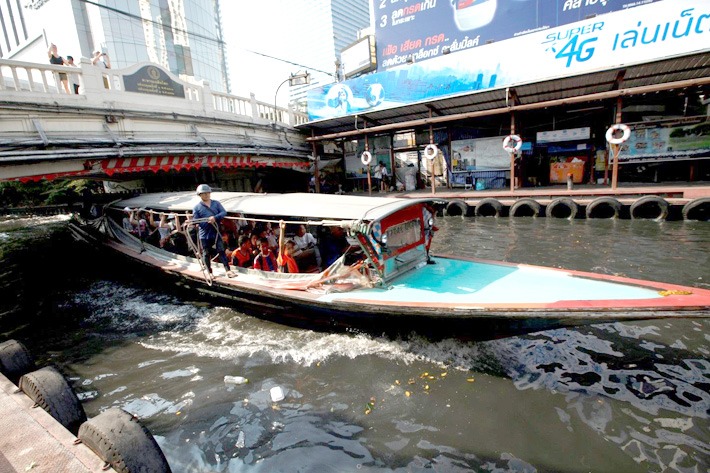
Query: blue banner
x=525, y=47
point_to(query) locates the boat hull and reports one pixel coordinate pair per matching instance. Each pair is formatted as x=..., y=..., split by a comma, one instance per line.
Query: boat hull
x=471, y=311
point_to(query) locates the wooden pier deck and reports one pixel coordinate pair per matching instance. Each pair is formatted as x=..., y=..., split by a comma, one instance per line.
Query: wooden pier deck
x=31, y=440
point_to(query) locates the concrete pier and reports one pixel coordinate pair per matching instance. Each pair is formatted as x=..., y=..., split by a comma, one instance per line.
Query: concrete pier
x=32, y=441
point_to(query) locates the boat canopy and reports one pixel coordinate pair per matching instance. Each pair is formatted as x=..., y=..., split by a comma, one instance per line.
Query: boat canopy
x=298, y=205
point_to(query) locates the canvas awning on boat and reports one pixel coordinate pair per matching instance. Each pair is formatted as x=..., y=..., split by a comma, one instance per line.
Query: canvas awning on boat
x=296, y=205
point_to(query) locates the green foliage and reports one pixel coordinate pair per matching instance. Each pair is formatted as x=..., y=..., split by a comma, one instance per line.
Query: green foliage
x=17, y=194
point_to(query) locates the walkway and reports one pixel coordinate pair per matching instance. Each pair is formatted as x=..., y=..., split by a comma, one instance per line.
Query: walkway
x=31, y=440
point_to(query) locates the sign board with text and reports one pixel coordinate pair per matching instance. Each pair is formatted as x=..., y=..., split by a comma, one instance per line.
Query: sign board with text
x=433, y=48
x=153, y=80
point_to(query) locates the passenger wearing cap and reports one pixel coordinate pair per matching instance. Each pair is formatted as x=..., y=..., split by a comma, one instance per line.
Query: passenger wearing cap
x=212, y=212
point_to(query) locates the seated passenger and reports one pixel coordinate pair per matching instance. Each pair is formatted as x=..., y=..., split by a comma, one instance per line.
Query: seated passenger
x=140, y=223
x=242, y=257
x=272, y=236
x=334, y=245
x=265, y=260
x=166, y=228
x=306, y=246
x=127, y=218
x=286, y=262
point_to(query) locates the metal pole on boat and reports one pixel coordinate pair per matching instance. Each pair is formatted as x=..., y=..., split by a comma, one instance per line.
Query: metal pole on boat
x=512, y=153
x=433, y=167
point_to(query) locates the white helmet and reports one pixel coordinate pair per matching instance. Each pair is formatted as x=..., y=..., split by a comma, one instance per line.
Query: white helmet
x=202, y=188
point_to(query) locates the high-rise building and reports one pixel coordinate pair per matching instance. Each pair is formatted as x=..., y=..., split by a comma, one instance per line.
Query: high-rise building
x=323, y=28
x=183, y=36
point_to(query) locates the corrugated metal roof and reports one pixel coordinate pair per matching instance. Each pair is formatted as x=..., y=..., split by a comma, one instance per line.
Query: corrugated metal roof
x=682, y=68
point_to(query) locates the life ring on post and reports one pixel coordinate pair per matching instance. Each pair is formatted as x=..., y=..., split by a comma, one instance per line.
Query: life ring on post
x=431, y=152
x=366, y=158
x=516, y=147
x=625, y=133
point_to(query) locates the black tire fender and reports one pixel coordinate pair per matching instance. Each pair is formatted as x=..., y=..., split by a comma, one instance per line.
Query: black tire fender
x=489, y=207
x=698, y=209
x=457, y=208
x=48, y=388
x=569, y=208
x=521, y=205
x=15, y=360
x=603, y=207
x=646, y=204
x=123, y=442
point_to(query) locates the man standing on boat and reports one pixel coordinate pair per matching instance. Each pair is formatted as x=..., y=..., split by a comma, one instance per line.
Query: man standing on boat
x=209, y=213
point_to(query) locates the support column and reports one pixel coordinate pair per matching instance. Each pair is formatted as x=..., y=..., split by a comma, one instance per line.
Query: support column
x=616, y=148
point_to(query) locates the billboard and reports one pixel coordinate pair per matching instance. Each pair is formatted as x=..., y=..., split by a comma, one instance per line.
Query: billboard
x=429, y=28
x=669, y=143
x=585, y=36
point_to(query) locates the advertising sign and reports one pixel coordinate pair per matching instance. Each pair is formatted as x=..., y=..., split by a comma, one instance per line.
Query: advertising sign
x=585, y=36
x=358, y=57
x=427, y=28
x=666, y=144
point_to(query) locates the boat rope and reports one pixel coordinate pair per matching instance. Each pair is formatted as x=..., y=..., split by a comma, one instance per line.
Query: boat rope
x=196, y=246
x=325, y=223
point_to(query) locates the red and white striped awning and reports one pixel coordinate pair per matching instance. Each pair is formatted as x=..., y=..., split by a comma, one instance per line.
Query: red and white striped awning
x=167, y=163
x=50, y=176
x=154, y=164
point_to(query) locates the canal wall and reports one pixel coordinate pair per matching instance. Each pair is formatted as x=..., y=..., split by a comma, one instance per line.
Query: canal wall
x=649, y=203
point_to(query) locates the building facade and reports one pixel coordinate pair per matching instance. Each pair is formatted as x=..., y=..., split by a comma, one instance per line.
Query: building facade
x=183, y=36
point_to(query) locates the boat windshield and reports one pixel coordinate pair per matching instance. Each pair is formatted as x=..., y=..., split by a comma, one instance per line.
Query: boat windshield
x=404, y=234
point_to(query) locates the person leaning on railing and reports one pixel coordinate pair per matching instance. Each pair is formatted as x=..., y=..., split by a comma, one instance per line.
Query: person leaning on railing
x=56, y=59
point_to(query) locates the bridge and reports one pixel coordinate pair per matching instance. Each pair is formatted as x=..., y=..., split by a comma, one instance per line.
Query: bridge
x=132, y=120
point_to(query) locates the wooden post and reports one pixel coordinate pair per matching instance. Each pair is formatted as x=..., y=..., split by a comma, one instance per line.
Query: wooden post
x=615, y=149
x=369, y=178
x=316, y=173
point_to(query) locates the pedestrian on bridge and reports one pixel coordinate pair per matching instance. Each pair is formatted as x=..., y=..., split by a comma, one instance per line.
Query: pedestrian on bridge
x=56, y=59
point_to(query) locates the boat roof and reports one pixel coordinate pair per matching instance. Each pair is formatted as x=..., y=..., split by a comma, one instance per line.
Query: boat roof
x=300, y=205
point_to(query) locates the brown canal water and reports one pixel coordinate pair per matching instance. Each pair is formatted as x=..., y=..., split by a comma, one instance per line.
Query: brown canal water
x=620, y=397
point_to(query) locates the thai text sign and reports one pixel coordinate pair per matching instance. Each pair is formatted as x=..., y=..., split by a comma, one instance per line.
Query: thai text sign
x=565, y=38
x=153, y=80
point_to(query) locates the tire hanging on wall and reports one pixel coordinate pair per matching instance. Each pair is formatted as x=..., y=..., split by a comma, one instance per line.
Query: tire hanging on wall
x=15, y=360
x=603, y=207
x=656, y=207
x=698, y=209
x=48, y=388
x=520, y=207
x=485, y=206
x=457, y=208
x=569, y=208
x=123, y=442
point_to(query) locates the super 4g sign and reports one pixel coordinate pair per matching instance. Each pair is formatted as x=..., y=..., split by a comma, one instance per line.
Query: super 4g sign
x=433, y=49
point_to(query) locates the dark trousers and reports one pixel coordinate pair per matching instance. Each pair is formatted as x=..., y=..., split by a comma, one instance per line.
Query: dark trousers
x=210, y=246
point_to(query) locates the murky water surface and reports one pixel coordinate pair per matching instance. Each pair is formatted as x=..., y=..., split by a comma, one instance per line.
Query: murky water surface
x=620, y=397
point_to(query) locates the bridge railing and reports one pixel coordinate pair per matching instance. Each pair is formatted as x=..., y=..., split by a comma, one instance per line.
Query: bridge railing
x=24, y=80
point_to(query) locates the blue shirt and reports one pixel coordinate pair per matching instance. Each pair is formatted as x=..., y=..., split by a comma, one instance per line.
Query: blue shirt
x=216, y=210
